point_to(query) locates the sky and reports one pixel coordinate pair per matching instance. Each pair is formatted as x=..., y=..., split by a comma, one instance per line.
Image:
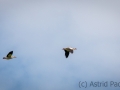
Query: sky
x=37, y=30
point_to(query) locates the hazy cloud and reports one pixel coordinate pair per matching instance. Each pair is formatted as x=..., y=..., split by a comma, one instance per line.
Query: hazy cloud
x=38, y=30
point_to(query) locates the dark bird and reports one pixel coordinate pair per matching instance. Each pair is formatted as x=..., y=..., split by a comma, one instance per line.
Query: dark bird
x=9, y=56
x=68, y=50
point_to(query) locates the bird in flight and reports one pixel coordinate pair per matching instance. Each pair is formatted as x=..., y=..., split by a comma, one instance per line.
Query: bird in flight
x=68, y=50
x=9, y=56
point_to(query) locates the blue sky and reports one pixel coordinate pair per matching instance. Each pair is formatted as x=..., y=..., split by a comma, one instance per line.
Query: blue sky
x=38, y=30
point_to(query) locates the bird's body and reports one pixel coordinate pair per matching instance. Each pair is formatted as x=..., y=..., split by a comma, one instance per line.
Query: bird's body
x=68, y=50
x=9, y=56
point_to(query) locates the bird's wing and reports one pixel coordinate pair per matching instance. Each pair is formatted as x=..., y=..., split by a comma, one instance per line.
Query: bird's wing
x=10, y=54
x=71, y=51
x=66, y=53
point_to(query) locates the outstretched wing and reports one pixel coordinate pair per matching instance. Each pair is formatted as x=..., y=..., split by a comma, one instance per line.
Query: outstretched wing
x=66, y=53
x=10, y=54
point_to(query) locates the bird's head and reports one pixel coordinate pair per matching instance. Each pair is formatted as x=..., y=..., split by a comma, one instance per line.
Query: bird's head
x=14, y=57
x=75, y=48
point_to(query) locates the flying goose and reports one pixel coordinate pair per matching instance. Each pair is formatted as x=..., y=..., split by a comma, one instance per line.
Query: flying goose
x=68, y=50
x=9, y=56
